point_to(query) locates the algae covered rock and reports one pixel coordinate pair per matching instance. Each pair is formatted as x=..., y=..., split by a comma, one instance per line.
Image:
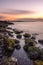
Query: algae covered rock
x=38, y=62
x=30, y=42
x=26, y=35
x=19, y=36
x=17, y=31
x=1, y=36
x=33, y=53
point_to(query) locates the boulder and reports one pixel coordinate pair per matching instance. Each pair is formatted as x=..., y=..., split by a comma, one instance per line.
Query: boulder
x=26, y=35
x=40, y=41
x=19, y=36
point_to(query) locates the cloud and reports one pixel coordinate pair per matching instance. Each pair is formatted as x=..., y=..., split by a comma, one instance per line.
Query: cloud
x=17, y=12
x=2, y=17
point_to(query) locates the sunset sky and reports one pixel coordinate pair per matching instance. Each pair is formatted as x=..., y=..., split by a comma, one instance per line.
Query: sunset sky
x=15, y=9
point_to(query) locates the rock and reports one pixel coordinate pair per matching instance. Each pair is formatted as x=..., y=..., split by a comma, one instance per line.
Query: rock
x=32, y=52
x=10, y=61
x=1, y=51
x=17, y=31
x=41, y=54
x=10, y=34
x=41, y=57
x=13, y=59
x=29, y=42
x=26, y=35
x=40, y=41
x=16, y=41
x=33, y=37
x=19, y=36
x=35, y=41
x=9, y=28
x=34, y=55
x=9, y=46
x=35, y=34
x=18, y=47
x=38, y=62
x=26, y=47
x=1, y=36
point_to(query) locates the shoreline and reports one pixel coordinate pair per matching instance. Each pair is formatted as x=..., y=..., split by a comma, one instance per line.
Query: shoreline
x=19, y=39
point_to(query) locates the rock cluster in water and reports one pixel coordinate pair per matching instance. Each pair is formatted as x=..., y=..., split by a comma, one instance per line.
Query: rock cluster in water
x=9, y=44
x=35, y=53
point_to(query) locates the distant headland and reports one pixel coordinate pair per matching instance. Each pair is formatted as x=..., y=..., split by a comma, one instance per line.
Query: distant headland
x=24, y=20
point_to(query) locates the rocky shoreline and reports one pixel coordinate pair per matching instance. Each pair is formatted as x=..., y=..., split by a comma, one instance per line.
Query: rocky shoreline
x=33, y=52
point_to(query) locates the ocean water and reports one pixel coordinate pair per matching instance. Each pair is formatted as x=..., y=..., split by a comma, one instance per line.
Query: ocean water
x=31, y=27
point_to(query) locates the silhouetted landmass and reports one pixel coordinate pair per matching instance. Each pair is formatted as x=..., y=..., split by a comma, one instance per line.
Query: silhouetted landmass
x=23, y=20
x=29, y=20
x=6, y=22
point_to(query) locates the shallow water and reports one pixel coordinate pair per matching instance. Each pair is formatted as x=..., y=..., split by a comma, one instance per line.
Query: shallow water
x=22, y=56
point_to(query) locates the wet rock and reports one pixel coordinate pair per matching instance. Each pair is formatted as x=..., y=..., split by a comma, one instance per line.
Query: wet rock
x=16, y=41
x=26, y=35
x=26, y=47
x=19, y=36
x=38, y=62
x=10, y=61
x=33, y=37
x=9, y=28
x=17, y=46
x=35, y=34
x=41, y=57
x=40, y=41
x=1, y=36
x=17, y=31
x=8, y=46
x=10, y=34
x=33, y=53
x=29, y=42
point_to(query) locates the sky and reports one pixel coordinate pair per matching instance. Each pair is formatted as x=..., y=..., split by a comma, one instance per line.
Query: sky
x=17, y=9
